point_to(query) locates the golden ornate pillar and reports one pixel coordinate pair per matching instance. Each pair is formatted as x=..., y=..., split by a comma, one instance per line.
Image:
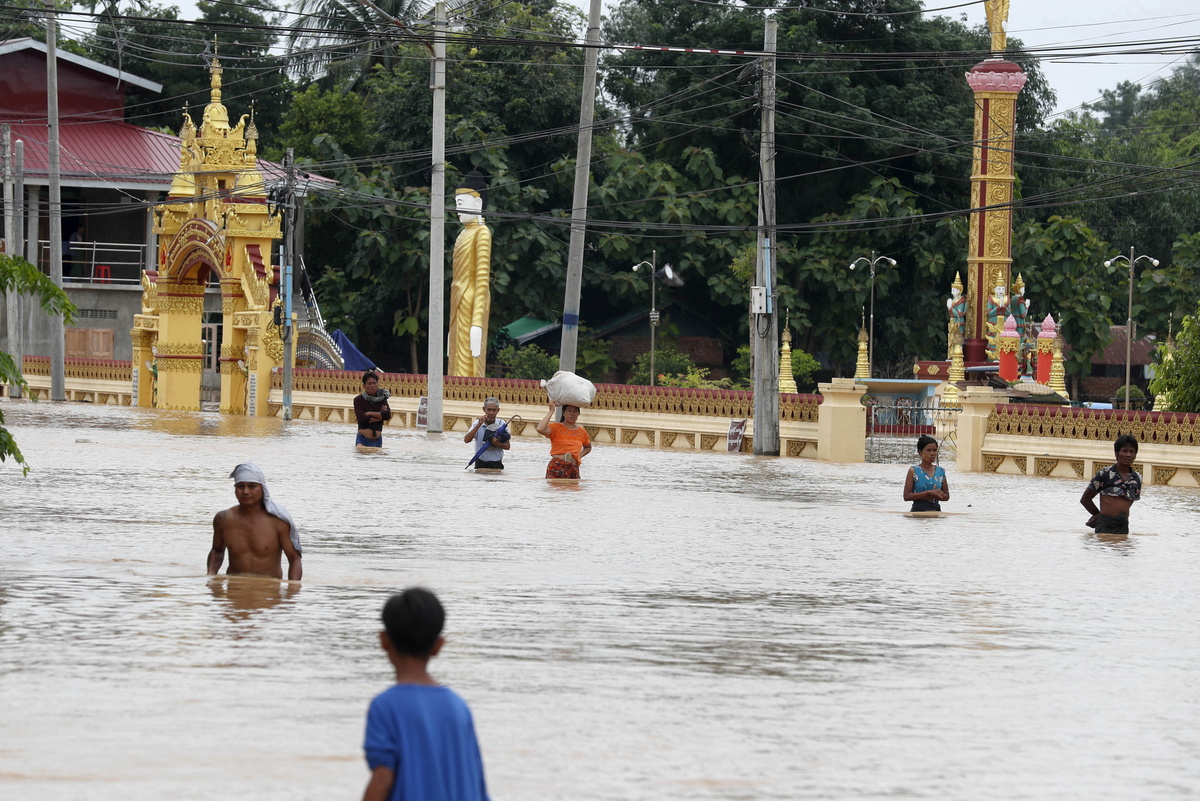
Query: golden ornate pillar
x=996, y=84
x=180, y=353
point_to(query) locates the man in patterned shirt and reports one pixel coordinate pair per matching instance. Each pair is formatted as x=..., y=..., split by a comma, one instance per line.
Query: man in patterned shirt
x=1118, y=487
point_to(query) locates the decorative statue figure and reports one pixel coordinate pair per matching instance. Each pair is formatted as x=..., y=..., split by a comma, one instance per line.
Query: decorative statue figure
x=470, y=291
x=997, y=311
x=997, y=20
x=1018, y=307
x=956, y=307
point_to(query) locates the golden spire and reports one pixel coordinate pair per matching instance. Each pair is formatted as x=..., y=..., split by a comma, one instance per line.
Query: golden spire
x=216, y=117
x=787, y=382
x=1019, y=285
x=958, y=284
x=862, y=368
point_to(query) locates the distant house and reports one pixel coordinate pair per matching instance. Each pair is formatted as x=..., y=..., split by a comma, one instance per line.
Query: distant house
x=1107, y=375
x=111, y=176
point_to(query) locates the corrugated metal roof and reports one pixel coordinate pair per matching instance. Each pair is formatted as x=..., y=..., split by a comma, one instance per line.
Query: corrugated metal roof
x=115, y=155
x=1141, y=351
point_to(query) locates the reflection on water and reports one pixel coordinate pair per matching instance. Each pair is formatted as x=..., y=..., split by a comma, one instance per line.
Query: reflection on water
x=674, y=626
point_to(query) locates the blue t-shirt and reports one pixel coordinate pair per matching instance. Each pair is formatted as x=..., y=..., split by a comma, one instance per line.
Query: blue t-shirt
x=426, y=735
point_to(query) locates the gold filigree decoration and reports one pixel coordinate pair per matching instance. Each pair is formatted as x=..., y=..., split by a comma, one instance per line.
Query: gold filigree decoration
x=1163, y=475
x=668, y=438
x=149, y=294
x=991, y=463
x=256, y=287
x=272, y=342
x=1044, y=467
x=180, y=348
x=1021, y=462
x=708, y=441
x=1077, y=466
x=180, y=365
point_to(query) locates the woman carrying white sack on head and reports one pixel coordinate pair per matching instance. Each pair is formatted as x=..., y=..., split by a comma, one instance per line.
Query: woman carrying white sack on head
x=569, y=442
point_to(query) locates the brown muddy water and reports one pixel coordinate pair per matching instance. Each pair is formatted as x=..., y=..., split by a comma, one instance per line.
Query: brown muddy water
x=676, y=626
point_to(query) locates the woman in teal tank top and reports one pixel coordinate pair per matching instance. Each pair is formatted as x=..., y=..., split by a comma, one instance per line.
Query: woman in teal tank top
x=926, y=484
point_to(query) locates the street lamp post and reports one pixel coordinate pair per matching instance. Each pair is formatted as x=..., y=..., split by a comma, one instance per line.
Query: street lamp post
x=1129, y=314
x=667, y=273
x=874, y=260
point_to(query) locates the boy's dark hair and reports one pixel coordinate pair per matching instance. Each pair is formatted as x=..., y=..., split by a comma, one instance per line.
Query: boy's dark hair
x=1123, y=440
x=924, y=440
x=370, y=374
x=413, y=620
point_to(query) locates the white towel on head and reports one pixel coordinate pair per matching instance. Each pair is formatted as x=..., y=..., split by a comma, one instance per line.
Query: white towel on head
x=253, y=474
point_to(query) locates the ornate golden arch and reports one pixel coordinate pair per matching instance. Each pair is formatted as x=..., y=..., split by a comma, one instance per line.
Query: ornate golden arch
x=197, y=245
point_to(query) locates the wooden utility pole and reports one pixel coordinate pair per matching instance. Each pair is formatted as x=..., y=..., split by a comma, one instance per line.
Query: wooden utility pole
x=763, y=315
x=583, y=170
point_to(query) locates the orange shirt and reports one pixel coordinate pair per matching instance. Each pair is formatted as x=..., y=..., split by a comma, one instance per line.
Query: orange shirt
x=568, y=440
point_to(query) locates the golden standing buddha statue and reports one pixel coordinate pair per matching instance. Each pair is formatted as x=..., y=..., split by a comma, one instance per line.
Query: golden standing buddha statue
x=470, y=291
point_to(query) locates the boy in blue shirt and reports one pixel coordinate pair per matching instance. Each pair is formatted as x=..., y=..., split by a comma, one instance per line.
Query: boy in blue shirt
x=420, y=741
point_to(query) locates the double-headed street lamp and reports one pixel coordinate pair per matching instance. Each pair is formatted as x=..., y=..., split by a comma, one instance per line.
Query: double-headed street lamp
x=655, y=273
x=1129, y=315
x=874, y=260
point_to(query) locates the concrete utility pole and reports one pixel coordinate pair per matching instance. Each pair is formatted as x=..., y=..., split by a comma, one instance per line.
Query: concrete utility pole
x=10, y=245
x=58, y=345
x=583, y=170
x=763, y=315
x=16, y=347
x=437, y=227
x=289, y=259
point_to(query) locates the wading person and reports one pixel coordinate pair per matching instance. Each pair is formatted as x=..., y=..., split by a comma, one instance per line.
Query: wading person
x=257, y=532
x=569, y=442
x=371, y=410
x=485, y=432
x=1118, y=487
x=926, y=484
x=420, y=743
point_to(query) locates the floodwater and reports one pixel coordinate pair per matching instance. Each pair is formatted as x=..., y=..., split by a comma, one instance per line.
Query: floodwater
x=676, y=626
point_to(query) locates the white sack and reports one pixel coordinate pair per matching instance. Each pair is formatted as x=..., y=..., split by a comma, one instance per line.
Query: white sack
x=567, y=389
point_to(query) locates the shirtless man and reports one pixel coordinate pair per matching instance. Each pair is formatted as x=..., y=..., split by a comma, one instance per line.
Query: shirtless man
x=256, y=531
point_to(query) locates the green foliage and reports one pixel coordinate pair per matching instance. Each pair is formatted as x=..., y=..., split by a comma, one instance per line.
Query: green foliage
x=528, y=362
x=1177, y=376
x=669, y=364
x=696, y=378
x=593, y=358
x=1062, y=261
x=343, y=116
x=150, y=41
x=18, y=275
x=803, y=368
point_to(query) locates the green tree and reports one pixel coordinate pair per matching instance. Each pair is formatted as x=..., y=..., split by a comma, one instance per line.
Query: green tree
x=21, y=277
x=668, y=362
x=1177, y=376
x=152, y=42
x=530, y=362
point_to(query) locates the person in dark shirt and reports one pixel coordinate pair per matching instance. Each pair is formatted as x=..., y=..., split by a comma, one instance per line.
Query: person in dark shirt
x=371, y=410
x=1118, y=487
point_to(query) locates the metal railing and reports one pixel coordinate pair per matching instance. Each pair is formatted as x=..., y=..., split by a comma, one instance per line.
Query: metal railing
x=99, y=262
x=894, y=426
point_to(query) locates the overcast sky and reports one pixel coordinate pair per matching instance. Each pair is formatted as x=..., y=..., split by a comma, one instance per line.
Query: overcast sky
x=1094, y=26
x=1098, y=27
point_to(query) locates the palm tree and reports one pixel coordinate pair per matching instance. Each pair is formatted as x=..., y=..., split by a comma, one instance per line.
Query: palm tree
x=345, y=39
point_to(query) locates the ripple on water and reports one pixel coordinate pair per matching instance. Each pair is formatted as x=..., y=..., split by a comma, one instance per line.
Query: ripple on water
x=679, y=625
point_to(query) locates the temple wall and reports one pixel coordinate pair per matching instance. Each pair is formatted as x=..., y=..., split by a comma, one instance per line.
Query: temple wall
x=1064, y=442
